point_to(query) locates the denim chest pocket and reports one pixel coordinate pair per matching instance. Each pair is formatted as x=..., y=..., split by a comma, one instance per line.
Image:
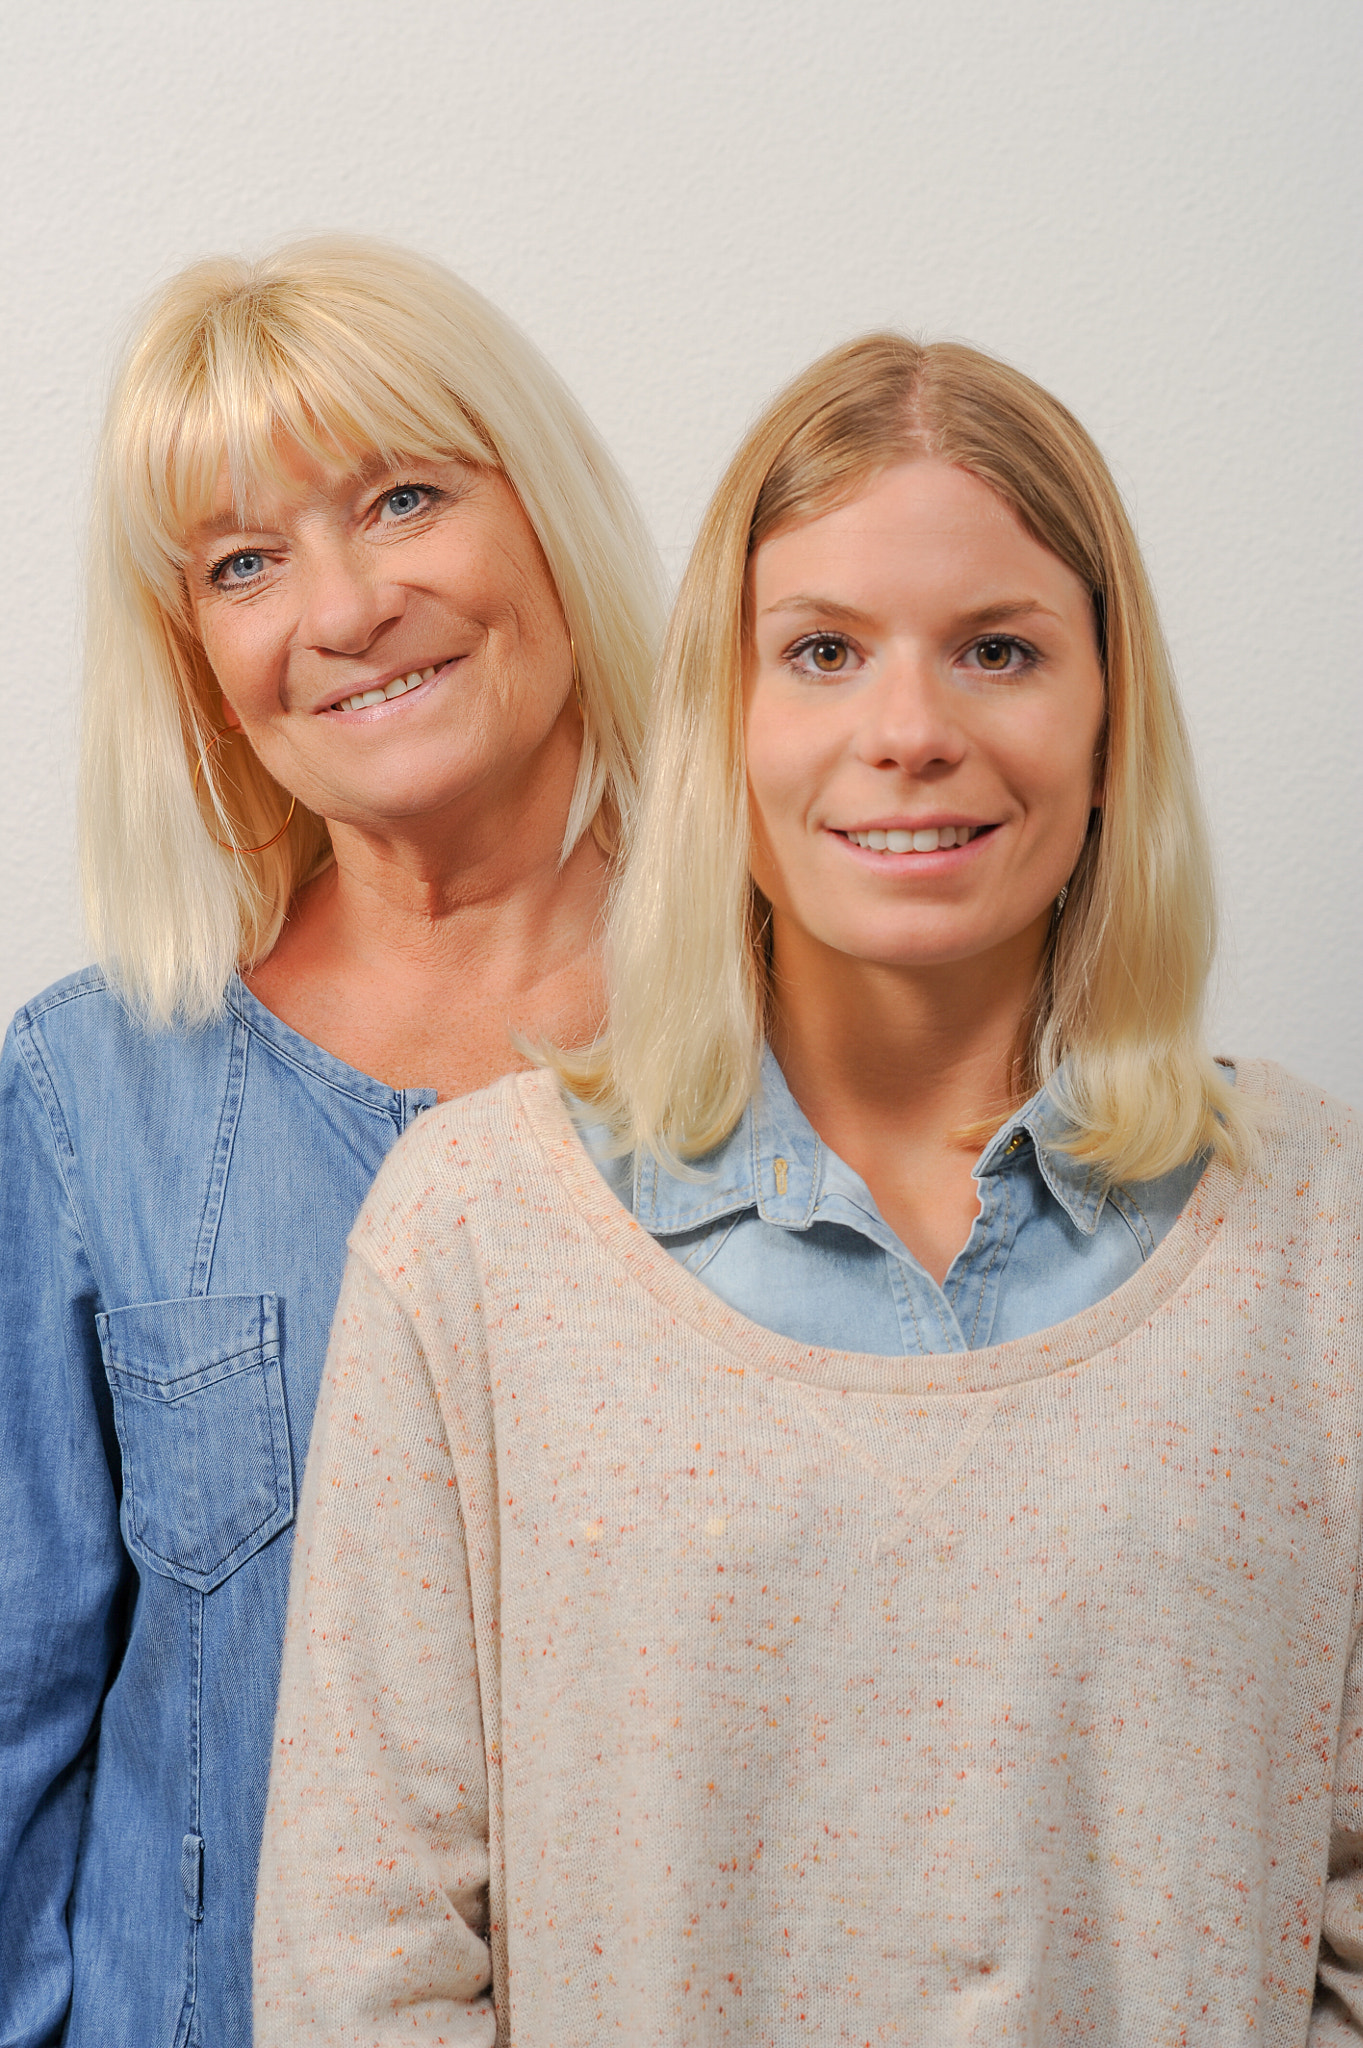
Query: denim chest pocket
x=198, y=1392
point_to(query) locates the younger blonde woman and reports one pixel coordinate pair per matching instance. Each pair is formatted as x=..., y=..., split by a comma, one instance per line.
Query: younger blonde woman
x=849, y=1531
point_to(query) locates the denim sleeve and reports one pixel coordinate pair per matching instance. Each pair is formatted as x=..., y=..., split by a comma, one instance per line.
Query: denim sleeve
x=64, y=1574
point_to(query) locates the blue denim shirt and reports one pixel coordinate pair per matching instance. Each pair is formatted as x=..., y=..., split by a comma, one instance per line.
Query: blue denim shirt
x=173, y=1215
x=789, y=1235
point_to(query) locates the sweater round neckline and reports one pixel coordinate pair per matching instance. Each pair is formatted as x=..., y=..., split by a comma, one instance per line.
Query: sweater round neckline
x=1068, y=1345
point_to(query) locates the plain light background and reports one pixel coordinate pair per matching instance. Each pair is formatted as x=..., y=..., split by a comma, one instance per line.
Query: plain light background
x=1150, y=205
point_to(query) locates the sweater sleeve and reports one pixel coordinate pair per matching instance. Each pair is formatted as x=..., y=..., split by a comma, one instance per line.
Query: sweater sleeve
x=1338, y=2015
x=371, y=1913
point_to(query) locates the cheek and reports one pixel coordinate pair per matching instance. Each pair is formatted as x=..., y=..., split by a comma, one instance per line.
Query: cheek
x=763, y=769
x=768, y=795
x=1056, y=764
x=791, y=766
x=787, y=762
x=774, y=815
x=236, y=658
x=1062, y=778
x=505, y=577
x=218, y=654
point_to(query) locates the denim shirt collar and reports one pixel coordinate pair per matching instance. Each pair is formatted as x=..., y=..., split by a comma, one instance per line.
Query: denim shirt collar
x=323, y=1066
x=774, y=1160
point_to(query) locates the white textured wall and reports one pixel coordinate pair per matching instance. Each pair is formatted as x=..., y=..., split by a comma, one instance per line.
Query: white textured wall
x=1149, y=204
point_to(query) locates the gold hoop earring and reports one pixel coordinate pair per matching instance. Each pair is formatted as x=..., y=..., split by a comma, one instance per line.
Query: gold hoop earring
x=230, y=845
x=577, y=677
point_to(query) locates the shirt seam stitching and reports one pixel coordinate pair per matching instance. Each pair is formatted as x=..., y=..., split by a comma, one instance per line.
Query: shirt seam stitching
x=64, y=1153
x=220, y=1164
x=995, y=1254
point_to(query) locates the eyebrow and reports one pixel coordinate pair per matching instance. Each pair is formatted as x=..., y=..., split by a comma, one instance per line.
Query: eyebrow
x=825, y=607
x=222, y=522
x=978, y=615
x=1009, y=608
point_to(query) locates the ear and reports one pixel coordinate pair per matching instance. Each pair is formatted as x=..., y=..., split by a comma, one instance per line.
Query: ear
x=229, y=716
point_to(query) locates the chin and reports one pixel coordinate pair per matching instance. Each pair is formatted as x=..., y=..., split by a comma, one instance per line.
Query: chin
x=935, y=944
x=908, y=958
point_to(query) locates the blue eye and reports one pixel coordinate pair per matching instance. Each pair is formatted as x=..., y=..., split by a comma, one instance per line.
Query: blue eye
x=407, y=499
x=239, y=568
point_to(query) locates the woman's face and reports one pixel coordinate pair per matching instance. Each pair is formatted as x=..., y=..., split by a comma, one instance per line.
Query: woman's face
x=389, y=641
x=924, y=699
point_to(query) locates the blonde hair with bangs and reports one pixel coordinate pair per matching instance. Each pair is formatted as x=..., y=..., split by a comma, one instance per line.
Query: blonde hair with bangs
x=347, y=348
x=1120, y=988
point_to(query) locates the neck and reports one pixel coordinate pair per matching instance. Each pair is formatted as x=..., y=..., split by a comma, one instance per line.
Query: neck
x=917, y=1052
x=422, y=952
x=389, y=898
x=894, y=1065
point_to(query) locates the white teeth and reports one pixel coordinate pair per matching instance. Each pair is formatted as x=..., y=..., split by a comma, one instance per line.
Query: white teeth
x=397, y=688
x=927, y=839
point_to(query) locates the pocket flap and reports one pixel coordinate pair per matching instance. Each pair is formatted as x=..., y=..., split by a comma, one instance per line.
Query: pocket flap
x=178, y=1346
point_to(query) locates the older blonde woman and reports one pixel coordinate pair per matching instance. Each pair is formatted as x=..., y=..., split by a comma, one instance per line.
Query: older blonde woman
x=865, y=1548
x=370, y=623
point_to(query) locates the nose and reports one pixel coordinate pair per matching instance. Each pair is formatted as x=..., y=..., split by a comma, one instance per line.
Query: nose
x=346, y=602
x=911, y=718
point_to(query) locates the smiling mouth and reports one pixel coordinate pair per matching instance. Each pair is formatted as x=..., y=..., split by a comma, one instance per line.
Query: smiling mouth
x=364, y=700
x=925, y=839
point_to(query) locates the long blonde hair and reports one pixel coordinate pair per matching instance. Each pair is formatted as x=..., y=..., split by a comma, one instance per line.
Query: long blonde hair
x=1120, y=989
x=345, y=347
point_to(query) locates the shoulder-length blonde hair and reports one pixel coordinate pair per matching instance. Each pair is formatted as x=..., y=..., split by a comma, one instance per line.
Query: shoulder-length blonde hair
x=1120, y=988
x=348, y=348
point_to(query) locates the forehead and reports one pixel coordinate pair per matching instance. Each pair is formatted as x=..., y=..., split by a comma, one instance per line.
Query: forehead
x=294, y=479
x=924, y=530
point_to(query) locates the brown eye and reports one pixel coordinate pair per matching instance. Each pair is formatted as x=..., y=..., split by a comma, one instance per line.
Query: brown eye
x=994, y=654
x=828, y=656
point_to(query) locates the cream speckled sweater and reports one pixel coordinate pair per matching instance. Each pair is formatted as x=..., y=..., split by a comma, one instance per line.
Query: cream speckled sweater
x=650, y=1679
